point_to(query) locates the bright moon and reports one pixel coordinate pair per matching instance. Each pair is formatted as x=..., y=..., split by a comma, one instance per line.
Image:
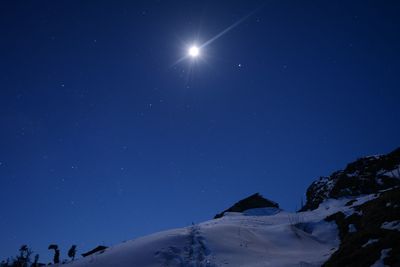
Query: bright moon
x=194, y=51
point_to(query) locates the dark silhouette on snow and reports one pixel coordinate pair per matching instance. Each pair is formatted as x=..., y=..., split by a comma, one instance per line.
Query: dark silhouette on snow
x=56, y=258
x=252, y=202
x=95, y=250
x=36, y=261
x=23, y=259
x=24, y=256
x=72, y=252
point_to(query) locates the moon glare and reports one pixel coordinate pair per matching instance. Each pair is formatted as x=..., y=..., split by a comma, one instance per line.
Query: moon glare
x=194, y=51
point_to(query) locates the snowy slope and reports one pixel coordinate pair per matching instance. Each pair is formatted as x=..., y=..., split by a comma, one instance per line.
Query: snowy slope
x=274, y=238
x=351, y=212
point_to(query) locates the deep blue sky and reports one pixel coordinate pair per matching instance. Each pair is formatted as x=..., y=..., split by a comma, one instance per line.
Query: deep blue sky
x=102, y=139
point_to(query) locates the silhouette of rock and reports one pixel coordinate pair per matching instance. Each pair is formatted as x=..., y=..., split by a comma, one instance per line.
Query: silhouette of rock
x=95, y=250
x=252, y=202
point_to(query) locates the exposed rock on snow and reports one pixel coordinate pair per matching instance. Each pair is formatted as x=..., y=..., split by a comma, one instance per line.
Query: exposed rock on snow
x=364, y=176
x=98, y=249
x=252, y=202
x=376, y=223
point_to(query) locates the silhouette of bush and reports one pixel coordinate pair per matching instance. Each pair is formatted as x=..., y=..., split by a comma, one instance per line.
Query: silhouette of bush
x=23, y=259
x=72, y=252
x=56, y=258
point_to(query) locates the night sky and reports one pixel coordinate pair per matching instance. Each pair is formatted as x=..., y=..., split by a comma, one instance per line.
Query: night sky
x=106, y=137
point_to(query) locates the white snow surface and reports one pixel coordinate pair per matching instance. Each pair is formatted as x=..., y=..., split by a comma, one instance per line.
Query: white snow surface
x=260, y=237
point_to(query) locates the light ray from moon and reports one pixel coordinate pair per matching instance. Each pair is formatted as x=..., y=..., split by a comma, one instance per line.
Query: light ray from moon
x=231, y=27
x=194, y=51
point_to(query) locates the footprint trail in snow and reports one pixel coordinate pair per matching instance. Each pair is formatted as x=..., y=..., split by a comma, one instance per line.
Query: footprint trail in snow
x=195, y=253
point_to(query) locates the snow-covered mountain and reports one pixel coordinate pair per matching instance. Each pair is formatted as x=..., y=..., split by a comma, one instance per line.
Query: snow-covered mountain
x=351, y=218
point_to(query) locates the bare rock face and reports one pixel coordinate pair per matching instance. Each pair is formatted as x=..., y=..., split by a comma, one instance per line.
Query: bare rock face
x=364, y=176
x=252, y=202
x=373, y=228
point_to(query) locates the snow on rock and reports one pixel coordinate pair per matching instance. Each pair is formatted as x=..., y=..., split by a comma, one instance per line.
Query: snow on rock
x=371, y=241
x=352, y=228
x=395, y=173
x=394, y=225
x=366, y=175
x=384, y=254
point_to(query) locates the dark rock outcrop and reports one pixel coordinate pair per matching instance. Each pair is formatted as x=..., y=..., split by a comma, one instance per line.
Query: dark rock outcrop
x=362, y=235
x=366, y=175
x=252, y=202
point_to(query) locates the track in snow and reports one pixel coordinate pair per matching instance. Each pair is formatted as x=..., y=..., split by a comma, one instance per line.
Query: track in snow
x=195, y=253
